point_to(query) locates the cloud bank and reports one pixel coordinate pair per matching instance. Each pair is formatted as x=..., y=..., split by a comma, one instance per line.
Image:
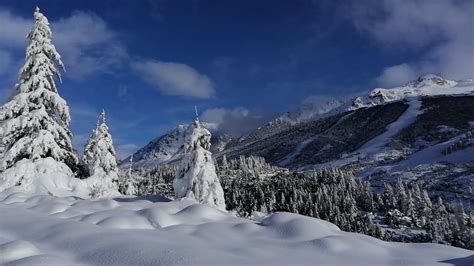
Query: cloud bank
x=175, y=79
x=87, y=45
x=237, y=121
x=440, y=31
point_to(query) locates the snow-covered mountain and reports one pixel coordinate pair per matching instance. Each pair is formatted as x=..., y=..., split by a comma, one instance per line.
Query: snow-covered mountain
x=288, y=139
x=428, y=85
x=311, y=109
x=166, y=149
x=161, y=150
x=422, y=130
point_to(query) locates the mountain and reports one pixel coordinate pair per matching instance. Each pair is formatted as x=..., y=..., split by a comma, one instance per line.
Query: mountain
x=422, y=130
x=166, y=148
x=161, y=150
x=319, y=132
x=377, y=117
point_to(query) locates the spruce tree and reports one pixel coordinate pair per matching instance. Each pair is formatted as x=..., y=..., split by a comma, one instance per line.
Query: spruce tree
x=36, y=119
x=99, y=156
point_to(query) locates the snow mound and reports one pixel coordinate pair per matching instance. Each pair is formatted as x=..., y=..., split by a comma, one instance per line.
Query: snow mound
x=156, y=231
x=44, y=175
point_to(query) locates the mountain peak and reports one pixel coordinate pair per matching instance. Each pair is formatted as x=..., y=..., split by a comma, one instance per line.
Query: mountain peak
x=430, y=80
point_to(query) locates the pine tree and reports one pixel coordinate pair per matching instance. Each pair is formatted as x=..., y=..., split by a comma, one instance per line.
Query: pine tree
x=99, y=156
x=388, y=197
x=36, y=119
x=198, y=179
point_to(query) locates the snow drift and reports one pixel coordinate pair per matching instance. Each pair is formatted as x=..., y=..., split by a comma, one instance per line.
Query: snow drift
x=152, y=230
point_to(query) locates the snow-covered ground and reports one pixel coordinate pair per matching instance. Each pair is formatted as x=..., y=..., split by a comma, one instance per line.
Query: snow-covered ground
x=41, y=229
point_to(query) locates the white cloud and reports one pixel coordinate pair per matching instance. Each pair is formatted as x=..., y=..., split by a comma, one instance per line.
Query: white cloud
x=86, y=43
x=14, y=29
x=236, y=121
x=396, y=75
x=175, y=79
x=217, y=115
x=440, y=31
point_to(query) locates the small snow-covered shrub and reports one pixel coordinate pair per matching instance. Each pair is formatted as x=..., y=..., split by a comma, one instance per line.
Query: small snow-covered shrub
x=97, y=191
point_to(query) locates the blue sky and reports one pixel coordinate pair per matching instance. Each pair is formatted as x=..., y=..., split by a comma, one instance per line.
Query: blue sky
x=147, y=63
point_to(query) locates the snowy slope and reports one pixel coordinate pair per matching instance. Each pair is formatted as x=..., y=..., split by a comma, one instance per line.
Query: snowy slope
x=428, y=85
x=311, y=110
x=152, y=231
x=160, y=150
x=376, y=148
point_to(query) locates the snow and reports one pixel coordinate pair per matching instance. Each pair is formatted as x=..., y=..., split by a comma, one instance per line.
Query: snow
x=44, y=175
x=379, y=143
x=434, y=154
x=161, y=150
x=155, y=231
x=428, y=85
x=312, y=108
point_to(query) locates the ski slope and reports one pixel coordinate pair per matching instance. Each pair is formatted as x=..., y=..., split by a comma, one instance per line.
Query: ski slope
x=46, y=230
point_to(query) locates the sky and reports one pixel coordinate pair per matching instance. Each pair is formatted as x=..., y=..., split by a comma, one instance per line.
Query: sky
x=242, y=63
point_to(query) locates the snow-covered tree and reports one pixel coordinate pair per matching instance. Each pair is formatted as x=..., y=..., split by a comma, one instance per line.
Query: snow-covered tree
x=35, y=120
x=130, y=188
x=199, y=180
x=225, y=165
x=99, y=156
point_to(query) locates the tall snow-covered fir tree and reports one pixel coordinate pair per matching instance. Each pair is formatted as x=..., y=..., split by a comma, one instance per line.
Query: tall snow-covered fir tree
x=35, y=120
x=99, y=156
x=198, y=179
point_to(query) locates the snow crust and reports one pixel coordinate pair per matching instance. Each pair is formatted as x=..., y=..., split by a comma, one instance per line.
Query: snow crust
x=156, y=231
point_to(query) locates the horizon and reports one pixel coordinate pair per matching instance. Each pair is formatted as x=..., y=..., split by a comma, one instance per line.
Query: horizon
x=238, y=63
